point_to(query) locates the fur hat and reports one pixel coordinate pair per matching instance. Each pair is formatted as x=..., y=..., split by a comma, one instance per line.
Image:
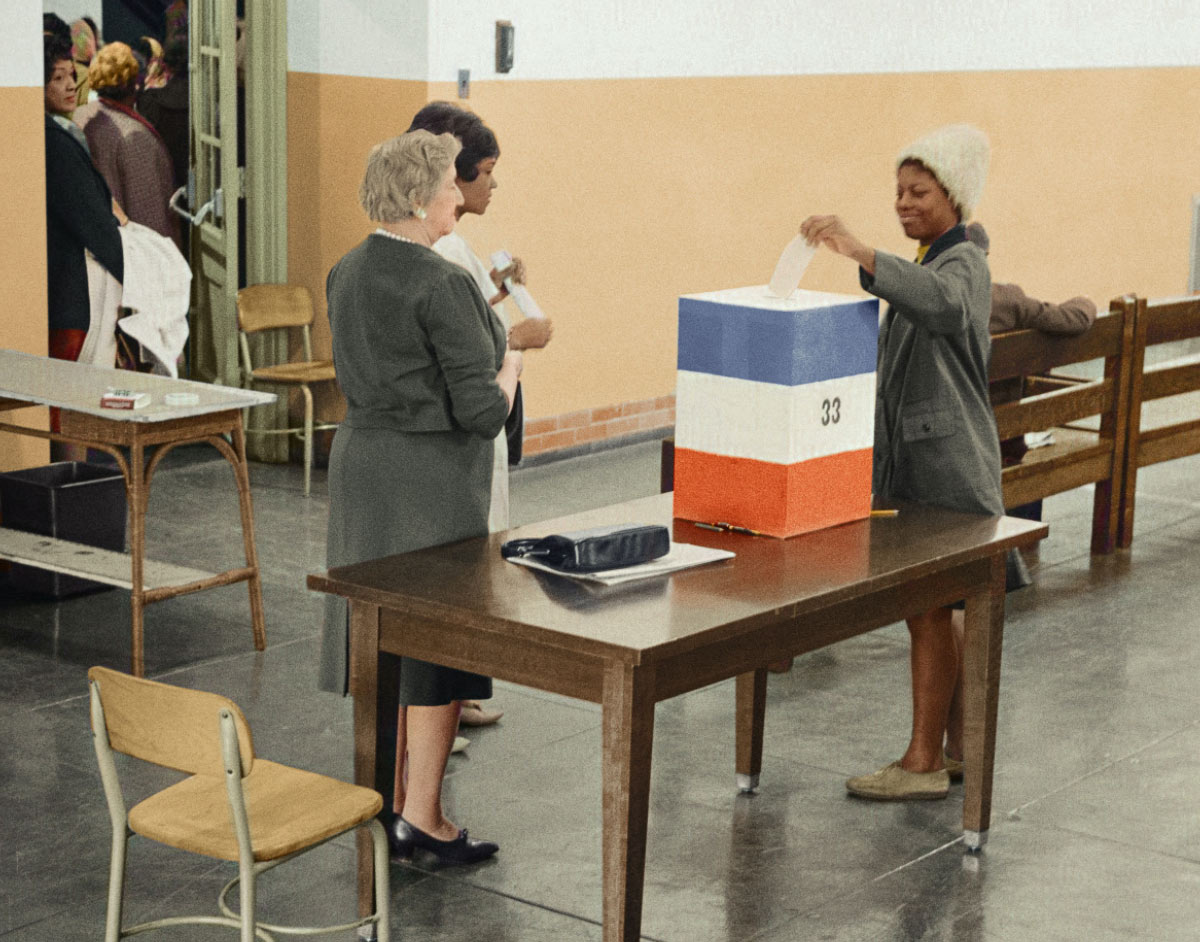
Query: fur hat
x=957, y=155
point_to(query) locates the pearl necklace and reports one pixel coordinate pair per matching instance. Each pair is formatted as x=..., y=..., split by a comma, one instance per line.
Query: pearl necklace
x=399, y=238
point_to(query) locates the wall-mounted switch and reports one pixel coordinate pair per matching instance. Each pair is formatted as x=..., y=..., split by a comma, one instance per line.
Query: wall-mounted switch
x=464, y=83
x=504, y=45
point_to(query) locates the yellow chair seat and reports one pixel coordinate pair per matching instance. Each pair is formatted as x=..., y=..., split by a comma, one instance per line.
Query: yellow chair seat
x=289, y=809
x=315, y=371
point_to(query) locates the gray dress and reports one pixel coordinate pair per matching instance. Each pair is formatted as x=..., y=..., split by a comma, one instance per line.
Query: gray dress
x=416, y=351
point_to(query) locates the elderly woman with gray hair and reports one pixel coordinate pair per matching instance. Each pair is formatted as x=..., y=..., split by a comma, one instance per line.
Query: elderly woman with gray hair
x=421, y=361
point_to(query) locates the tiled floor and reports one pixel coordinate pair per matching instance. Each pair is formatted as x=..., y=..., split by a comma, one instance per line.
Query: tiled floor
x=1096, y=833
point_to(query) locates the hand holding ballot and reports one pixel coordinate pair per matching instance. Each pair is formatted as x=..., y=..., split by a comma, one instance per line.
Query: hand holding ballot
x=831, y=232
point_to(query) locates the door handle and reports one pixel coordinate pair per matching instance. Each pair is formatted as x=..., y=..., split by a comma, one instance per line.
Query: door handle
x=196, y=219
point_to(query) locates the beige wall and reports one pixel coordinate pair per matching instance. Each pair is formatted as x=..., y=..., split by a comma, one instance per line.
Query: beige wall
x=623, y=194
x=23, y=255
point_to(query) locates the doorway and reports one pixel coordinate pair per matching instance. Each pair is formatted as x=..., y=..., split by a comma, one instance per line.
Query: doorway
x=233, y=199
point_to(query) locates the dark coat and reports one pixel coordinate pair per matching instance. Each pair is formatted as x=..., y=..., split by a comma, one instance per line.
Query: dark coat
x=935, y=434
x=78, y=216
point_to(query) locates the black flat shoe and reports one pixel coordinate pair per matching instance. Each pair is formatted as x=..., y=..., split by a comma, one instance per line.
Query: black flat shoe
x=404, y=839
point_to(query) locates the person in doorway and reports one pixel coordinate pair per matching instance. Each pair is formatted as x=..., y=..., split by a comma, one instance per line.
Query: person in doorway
x=81, y=216
x=84, y=44
x=167, y=108
x=935, y=435
x=125, y=147
x=428, y=383
x=476, y=169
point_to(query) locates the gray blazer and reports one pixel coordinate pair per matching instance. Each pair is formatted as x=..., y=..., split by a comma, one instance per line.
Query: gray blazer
x=935, y=435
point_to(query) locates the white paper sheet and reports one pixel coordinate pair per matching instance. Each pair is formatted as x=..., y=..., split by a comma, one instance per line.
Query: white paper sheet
x=792, y=264
x=519, y=293
x=681, y=556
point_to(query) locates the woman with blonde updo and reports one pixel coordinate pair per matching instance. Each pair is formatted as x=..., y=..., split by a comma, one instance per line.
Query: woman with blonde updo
x=421, y=361
x=125, y=147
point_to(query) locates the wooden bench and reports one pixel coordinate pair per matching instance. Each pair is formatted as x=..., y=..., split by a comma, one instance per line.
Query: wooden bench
x=1030, y=396
x=1088, y=417
x=1167, y=320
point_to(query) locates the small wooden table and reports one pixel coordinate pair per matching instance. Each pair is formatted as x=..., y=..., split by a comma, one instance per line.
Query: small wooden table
x=630, y=646
x=75, y=389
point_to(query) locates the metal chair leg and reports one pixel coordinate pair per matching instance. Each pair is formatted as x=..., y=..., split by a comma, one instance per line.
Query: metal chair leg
x=116, y=887
x=382, y=885
x=308, y=435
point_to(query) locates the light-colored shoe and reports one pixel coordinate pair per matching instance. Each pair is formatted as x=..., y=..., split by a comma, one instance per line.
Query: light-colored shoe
x=954, y=767
x=460, y=744
x=475, y=715
x=894, y=783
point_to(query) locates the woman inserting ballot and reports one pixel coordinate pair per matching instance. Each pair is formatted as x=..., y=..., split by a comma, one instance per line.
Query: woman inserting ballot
x=421, y=360
x=935, y=435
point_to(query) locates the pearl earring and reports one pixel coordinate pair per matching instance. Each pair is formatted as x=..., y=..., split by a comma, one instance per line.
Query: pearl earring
x=419, y=212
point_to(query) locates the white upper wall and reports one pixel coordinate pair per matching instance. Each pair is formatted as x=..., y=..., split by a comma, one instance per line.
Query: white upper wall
x=377, y=38
x=21, y=64
x=560, y=39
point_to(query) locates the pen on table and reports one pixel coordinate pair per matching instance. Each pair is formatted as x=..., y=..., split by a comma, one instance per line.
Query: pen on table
x=708, y=526
x=733, y=528
x=887, y=512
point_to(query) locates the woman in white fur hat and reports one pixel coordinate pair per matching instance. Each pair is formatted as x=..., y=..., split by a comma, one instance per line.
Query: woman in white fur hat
x=935, y=435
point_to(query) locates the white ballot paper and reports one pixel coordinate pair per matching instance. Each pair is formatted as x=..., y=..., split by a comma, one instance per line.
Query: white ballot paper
x=790, y=268
x=681, y=556
x=529, y=307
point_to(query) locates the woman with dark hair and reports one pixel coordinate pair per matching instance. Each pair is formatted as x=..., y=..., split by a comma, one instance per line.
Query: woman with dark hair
x=80, y=215
x=935, y=434
x=475, y=167
x=124, y=145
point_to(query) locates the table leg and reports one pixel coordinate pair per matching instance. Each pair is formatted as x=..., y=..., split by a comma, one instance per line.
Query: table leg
x=136, y=492
x=373, y=685
x=751, y=715
x=242, y=476
x=984, y=629
x=628, y=708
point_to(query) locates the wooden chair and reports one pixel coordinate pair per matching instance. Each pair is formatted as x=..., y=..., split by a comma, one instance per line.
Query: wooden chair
x=233, y=806
x=282, y=308
x=1166, y=320
x=1031, y=394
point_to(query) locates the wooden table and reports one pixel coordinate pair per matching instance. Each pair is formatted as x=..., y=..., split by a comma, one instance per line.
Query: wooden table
x=628, y=647
x=75, y=389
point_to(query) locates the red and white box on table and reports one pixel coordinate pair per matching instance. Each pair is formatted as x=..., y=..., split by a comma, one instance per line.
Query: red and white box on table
x=775, y=409
x=114, y=398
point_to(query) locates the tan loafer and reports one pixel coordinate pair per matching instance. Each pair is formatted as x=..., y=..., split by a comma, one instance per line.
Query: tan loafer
x=893, y=783
x=954, y=767
x=475, y=715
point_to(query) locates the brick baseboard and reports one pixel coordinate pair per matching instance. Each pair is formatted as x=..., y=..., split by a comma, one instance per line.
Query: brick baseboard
x=587, y=426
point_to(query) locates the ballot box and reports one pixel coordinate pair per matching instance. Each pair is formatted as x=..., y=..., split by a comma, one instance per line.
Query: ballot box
x=775, y=409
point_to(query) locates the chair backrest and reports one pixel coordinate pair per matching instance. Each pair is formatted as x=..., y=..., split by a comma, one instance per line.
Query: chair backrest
x=267, y=307
x=168, y=725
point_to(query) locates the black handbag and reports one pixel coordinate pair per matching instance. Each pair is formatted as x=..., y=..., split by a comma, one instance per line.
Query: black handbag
x=594, y=550
x=514, y=428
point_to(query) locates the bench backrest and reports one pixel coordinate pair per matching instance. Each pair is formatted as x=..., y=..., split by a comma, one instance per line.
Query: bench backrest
x=1034, y=391
x=1159, y=321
